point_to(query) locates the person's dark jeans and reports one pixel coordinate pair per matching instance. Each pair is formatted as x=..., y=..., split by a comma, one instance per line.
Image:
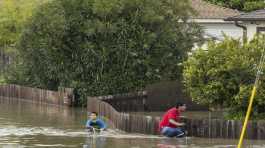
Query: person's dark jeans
x=172, y=132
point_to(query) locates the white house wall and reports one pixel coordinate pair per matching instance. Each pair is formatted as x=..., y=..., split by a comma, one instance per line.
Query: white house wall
x=252, y=28
x=218, y=29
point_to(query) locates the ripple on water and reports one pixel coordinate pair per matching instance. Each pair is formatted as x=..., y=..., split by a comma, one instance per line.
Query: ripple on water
x=53, y=145
x=47, y=131
x=11, y=145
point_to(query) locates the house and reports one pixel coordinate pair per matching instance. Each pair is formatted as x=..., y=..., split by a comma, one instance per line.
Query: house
x=252, y=23
x=211, y=18
x=218, y=20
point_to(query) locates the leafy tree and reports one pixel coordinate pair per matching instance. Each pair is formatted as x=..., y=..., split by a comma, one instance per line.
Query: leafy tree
x=104, y=47
x=242, y=5
x=224, y=75
x=13, y=16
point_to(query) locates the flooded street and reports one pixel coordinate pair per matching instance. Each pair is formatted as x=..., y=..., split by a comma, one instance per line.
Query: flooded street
x=24, y=124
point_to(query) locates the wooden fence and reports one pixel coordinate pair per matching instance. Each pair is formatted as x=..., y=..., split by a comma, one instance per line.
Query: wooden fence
x=145, y=101
x=127, y=102
x=210, y=128
x=62, y=97
x=123, y=121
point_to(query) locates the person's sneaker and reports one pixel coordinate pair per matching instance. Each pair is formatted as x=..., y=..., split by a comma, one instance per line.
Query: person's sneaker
x=180, y=135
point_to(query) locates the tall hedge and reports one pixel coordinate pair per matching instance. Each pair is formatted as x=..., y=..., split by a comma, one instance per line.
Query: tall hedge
x=104, y=47
x=224, y=75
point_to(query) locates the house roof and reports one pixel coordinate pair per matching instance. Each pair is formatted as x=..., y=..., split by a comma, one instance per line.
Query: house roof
x=258, y=15
x=207, y=10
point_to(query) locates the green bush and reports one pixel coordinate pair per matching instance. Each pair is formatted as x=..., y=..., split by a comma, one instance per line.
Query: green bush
x=242, y=5
x=107, y=46
x=254, y=5
x=224, y=75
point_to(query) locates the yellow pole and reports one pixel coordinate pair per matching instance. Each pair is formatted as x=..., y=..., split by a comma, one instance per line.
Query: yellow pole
x=247, y=116
x=253, y=93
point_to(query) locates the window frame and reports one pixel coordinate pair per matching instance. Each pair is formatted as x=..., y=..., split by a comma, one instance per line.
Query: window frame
x=261, y=30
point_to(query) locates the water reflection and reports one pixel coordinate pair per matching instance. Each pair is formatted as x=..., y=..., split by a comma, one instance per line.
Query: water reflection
x=24, y=124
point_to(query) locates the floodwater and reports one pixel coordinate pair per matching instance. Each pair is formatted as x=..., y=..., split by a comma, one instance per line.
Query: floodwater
x=24, y=124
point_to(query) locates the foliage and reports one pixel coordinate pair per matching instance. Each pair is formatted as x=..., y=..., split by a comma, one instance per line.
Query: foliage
x=13, y=17
x=242, y=5
x=224, y=75
x=13, y=14
x=104, y=47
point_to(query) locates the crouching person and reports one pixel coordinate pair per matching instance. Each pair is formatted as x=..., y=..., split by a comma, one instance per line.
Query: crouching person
x=94, y=123
x=170, y=125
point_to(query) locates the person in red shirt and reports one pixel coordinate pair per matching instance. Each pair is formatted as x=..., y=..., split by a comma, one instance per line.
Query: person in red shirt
x=170, y=124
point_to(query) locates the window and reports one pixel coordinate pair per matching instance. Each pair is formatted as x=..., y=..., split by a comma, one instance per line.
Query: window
x=261, y=30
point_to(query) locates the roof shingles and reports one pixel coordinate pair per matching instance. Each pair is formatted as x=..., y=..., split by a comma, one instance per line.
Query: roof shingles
x=258, y=15
x=206, y=10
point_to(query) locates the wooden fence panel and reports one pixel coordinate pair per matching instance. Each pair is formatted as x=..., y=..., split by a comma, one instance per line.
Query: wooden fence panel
x=35, y=94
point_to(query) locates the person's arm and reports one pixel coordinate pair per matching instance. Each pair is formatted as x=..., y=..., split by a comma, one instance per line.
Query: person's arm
x=102, y=124
x=172, y=121
x=88, y=123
